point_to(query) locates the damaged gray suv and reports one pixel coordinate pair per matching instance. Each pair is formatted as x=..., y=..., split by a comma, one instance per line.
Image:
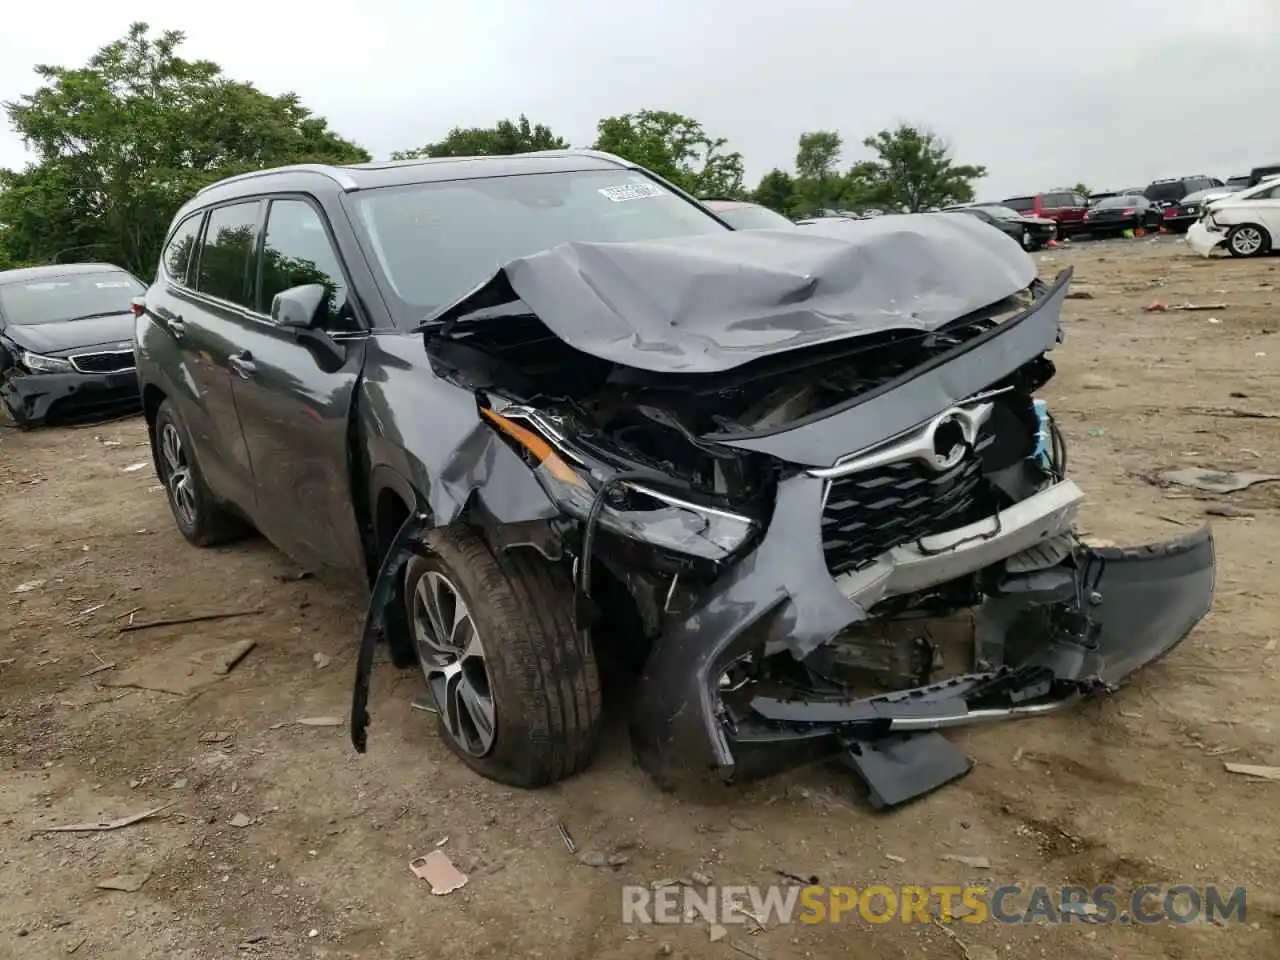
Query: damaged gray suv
x=548, y=408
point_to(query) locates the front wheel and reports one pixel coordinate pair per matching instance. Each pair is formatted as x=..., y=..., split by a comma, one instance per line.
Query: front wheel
x=1248, y=240
x=516, y=688
x=1027, y=243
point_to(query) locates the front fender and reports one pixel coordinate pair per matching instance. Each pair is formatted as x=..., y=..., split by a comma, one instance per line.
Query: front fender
x=425, y=437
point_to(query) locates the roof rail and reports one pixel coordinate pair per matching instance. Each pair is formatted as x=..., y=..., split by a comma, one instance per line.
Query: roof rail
x=337, y=175
x=584, y=152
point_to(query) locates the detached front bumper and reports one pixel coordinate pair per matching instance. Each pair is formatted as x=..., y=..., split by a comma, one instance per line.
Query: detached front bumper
x=36, y=399
x=1202, y=240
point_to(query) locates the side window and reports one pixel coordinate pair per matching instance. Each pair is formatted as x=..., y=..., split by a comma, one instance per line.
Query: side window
x=297, y=251
x=1021, y=204
x=178, y=253
x=227, y=254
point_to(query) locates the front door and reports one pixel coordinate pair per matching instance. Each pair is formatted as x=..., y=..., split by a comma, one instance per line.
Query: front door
x=295, y=399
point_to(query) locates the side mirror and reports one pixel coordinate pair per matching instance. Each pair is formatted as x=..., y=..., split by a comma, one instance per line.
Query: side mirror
x=299, y=308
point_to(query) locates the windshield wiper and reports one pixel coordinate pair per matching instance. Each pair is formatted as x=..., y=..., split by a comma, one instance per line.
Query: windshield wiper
x=95, y=316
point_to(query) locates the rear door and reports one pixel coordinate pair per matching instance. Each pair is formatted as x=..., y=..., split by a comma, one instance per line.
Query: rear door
x=203, y=284
x=294, y=394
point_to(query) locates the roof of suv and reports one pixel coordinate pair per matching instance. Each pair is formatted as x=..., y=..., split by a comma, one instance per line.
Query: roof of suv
x=387, y=173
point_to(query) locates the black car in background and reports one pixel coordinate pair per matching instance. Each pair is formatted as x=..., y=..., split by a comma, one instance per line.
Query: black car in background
x=66, y=343
x=1167, y=193
x=1114, y=215
x=1179, y=217
x=1032, y=233
x=1258, y=174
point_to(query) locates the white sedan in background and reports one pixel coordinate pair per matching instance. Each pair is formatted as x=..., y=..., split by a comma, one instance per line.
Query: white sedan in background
x=1247, y=223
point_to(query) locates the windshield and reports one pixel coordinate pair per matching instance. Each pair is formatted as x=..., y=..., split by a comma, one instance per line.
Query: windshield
x=753, y=217
x=72, y=296
x=434, y=242
x=1164, y=192
x=1000, y=212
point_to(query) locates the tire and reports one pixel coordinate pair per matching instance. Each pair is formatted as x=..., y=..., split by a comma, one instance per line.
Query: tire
x=1248, y=240
x=202, y=520
x=1027, y=243
x=543, y=703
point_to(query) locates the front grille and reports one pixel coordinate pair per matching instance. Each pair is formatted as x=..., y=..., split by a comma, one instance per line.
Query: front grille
x=112, y=361
x=875, y=510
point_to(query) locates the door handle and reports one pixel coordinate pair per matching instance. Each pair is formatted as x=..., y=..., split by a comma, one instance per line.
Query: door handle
x=242, y=363
x=177, y=326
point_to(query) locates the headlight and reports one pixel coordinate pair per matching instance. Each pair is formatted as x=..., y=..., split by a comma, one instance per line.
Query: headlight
x=635, y=510
x=36, y=363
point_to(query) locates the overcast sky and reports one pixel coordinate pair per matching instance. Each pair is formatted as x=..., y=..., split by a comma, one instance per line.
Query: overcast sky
x=1110, y=92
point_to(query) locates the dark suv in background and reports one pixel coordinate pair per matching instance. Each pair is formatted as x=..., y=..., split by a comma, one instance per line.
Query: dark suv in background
x=1165, y=194
x=1065, y=208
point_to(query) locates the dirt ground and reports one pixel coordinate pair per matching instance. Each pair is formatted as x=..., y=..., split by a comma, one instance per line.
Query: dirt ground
x=279, y=840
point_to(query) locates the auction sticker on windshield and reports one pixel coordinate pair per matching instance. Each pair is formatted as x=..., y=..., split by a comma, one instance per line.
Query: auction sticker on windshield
x=631, y=191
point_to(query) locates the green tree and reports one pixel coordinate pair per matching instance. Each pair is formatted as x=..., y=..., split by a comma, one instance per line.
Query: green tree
x=123, y=141
x=504, y=137
x=818, y=185
x=1082, y=189
x=777, y=191
x=913, y=171
x=675, y=147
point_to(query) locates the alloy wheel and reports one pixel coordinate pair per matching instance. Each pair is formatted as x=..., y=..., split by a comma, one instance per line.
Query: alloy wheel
x=1246, y=241
x=453, y=662
x=177, y=475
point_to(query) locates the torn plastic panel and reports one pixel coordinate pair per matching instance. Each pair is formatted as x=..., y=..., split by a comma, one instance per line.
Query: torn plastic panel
x=900, y=404
x=406, y=544
x=34, y=399
x=1131, y=607
x=715, y=301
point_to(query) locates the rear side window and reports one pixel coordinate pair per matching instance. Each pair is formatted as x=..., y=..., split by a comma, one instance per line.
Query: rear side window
x=227, y=255
x=1165, y=192
x=1021, y=204
x=178, y=253
x=297, y=251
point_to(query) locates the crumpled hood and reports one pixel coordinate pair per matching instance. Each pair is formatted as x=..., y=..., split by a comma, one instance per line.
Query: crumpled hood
x=715, y=301
x=55, y=339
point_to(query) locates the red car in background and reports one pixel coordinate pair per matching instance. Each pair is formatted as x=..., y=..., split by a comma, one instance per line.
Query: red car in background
x=1066, y=208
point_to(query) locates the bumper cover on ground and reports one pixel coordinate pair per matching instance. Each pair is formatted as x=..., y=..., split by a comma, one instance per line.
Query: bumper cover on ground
x=1202, y=240
x=35, y=399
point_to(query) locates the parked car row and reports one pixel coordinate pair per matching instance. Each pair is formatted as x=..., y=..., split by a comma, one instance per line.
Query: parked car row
x=1245, y=224
x=1178, y=202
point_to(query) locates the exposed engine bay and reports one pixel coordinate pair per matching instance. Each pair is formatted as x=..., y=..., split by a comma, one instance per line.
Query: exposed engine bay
x=842, y=526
